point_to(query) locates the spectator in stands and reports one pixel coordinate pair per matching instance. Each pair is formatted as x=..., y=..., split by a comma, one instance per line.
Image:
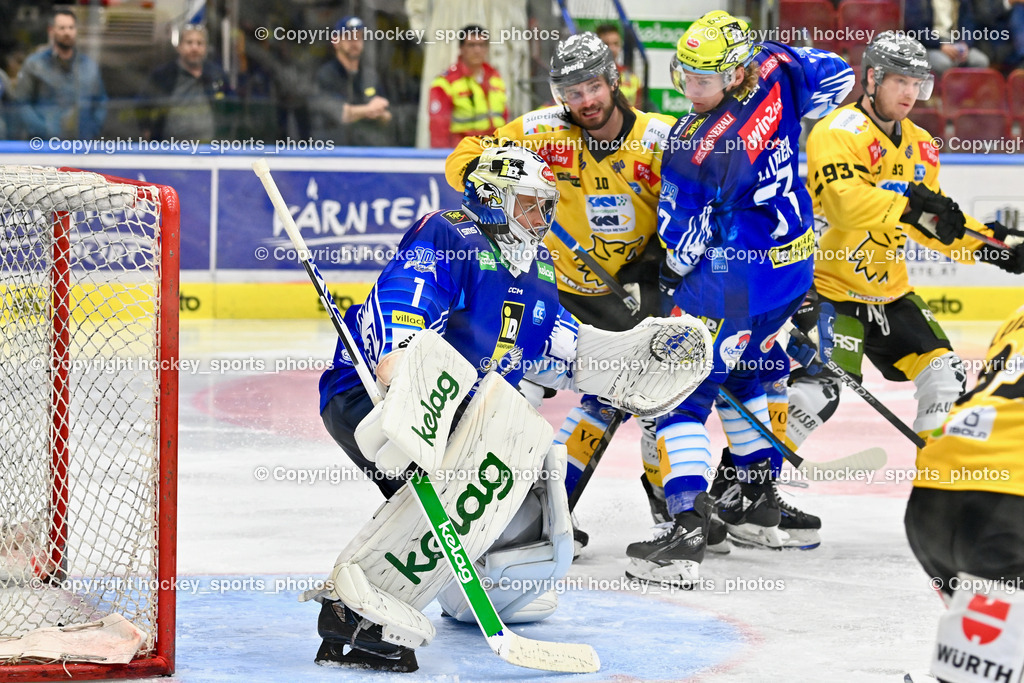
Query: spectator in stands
x=629, y=82
x=1002, y=24
x=6, y=95
x=185, y=99
x=350, y=107
x=60, y=92
x=932, y=23
x=470, y=97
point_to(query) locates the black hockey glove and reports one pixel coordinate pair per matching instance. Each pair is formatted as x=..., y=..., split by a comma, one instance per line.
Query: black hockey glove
x=934, y=214
x=668, y=280
x=814, y=318
x=640, y=278
x=1011, y=260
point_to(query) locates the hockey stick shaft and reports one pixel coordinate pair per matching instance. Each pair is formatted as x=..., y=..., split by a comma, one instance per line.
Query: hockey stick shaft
x=990, y=241
x=603, y=276
x=568, y=657
x=859, y=389
x=763, y=429
x=868, y=459
x=595, y=458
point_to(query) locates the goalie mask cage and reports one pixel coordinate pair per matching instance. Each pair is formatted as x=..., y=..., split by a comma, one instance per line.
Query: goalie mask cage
x=88, y=412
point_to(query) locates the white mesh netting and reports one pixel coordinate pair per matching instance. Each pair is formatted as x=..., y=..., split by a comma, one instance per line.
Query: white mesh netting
x=79, y=463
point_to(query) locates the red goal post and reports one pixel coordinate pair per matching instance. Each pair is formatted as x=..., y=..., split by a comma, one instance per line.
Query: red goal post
x=88, y=422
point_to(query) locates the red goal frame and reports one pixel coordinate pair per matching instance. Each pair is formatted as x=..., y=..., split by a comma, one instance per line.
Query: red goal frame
x=161, y=661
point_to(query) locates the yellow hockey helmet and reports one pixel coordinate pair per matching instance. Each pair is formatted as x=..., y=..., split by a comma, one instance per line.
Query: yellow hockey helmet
x=715, y=43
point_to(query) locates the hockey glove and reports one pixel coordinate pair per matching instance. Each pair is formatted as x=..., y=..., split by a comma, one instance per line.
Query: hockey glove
x=933, y=214
x=1011, y=260
x=814, y=318
x=639, y=277
x=668, y=280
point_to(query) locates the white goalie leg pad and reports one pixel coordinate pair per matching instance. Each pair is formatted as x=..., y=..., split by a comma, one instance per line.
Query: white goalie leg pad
x=940, y=384
x=403, y=623
x=647, y=370
x=981, y=635
x=414, y=419
x=493, y=457
x=532, y=554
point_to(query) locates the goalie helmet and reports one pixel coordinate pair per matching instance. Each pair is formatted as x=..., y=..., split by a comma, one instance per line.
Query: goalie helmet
x=579, y=58
x=893, y=52
x=511, y=195
x=716, y=43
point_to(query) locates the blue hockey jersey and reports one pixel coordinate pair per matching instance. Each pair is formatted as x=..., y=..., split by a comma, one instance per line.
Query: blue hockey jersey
x=449, y=277
x=734, y=215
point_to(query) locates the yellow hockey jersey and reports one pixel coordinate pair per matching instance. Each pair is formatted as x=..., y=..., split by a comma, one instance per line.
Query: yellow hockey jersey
x=979, y=446
x=609, y=206
x=857, y=177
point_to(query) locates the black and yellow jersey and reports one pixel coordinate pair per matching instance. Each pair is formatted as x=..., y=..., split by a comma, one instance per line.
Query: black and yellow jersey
x=979, y=446
x=608, y=200
x=857, y=176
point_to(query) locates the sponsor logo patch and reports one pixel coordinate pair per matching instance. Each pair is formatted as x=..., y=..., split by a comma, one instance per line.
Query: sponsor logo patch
x=758, y=131
x=708, y=143
x=611, y=213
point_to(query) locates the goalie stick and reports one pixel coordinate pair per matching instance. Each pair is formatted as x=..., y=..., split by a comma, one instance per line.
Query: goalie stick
x=868, y=459
x=513, y=648
x=859, y=389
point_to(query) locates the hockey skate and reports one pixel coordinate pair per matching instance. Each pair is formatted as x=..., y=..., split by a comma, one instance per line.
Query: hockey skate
x=800, y=529
x=752, y=517
x=350, y=640
x=673, y=557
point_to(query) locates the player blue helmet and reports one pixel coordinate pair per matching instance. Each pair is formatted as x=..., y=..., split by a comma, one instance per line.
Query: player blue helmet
x=511, y=195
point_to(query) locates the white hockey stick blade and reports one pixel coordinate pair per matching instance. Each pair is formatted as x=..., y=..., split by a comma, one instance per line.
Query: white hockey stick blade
x=544, y=655
x=869, y=459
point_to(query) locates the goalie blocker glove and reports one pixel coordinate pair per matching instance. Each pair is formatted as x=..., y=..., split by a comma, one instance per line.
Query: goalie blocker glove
x=1011, y=260
x=934, y=214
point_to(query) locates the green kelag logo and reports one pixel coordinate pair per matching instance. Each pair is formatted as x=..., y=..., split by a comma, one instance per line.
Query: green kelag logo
x=447, y=388
x=463, y=574
x=493, y=476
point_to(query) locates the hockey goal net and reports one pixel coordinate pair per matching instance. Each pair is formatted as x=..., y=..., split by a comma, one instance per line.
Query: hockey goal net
x=88, y=415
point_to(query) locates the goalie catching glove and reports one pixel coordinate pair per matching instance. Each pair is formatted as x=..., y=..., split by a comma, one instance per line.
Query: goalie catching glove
x=647, y=370
x=934, y=214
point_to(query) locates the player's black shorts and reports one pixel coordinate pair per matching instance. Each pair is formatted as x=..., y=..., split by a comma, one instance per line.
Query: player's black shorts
x=978, y=532
x=605, y=312
x=341, y=416
x=886, y=334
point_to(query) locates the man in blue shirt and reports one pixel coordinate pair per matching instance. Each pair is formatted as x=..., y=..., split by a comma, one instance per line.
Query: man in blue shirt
x=60, y=92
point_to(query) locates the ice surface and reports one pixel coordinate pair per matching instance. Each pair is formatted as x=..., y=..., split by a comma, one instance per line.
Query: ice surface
x=859, y=608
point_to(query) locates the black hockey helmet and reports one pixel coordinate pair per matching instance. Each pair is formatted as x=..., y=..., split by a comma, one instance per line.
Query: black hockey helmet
x=579, y=58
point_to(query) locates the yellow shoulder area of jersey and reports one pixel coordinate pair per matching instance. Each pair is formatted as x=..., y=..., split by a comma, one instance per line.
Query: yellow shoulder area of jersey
x=549, y=121
x=651, y=130
x=848, y=119
x=914, y=133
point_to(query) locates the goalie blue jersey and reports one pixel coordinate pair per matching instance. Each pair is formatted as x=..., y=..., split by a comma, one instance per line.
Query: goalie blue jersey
x=733, y=212
x=449, y=277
